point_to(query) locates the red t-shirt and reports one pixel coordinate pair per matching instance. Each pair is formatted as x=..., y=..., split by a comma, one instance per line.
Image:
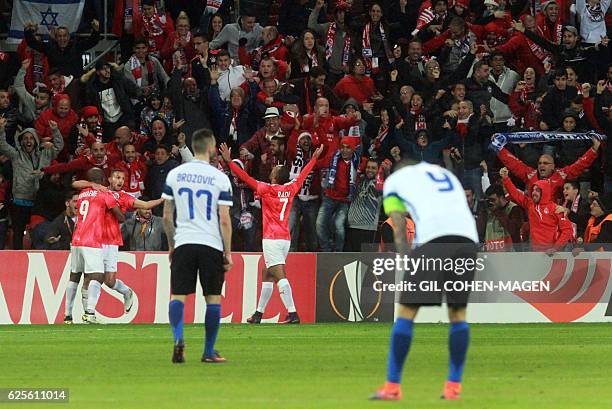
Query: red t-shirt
x=91, y=209
x=112, y=229
x=340, y=190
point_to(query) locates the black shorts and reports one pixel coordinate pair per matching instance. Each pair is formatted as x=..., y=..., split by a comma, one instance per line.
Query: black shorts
x=446, y=273
x=191, y=260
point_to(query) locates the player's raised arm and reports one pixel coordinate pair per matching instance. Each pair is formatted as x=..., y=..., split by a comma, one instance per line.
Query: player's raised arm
x=226, y=153
x=225, y=223
x=309, y=167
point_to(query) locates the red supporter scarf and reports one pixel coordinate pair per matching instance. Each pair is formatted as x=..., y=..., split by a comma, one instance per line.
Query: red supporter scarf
x=383, y=131
x=179, y=57
x=329, y=44
x=540, y=53
x=136, y=68
x=153, y=27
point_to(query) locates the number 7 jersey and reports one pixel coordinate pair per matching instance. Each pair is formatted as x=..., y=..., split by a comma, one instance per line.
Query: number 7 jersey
x=198, y=189
x=435, y=200
x=276, y=200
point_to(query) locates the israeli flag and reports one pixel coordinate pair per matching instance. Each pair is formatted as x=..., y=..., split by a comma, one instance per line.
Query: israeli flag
x=45, y=13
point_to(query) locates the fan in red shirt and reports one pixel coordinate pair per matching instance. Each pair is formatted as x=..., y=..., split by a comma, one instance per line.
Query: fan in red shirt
x=112, y=239
x=87, y=240
x=277, y=198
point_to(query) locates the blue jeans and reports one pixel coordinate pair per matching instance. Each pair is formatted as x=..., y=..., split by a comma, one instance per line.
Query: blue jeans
x=473, y=178
x=331, y=222
x=307, y=211
x=607, y=183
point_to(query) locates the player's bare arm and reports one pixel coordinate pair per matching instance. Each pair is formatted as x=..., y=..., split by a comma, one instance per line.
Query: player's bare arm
x=225, y=223
x=84, y=184
x=147, y=205
x=118, y=214
x=169, y=229
x=399, y=232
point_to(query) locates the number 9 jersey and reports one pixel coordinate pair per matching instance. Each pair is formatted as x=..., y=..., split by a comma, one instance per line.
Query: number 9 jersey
x=198, y=189
x=435, y=200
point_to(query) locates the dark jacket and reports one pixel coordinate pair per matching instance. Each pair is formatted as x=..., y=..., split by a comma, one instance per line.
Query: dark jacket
x=195, y=111
x=68, y=60
x=156, y=180
x=302, y=88
x=554, y=103
x=62, y=226
x=246, y=121
x=124, y=90
x=431, y=153
x=293, y=17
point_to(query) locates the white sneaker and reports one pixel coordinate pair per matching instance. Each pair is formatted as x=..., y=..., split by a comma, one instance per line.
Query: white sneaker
x=128, y=301
x=89, y=318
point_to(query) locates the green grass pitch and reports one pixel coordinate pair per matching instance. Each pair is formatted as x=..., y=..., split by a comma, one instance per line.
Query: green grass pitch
x=308, y=366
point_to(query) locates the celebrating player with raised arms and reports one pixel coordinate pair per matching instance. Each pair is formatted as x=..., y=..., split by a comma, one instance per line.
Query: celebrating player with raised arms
x=445, y=230
x=201, y=242
x=276, y=198
x=87, y=241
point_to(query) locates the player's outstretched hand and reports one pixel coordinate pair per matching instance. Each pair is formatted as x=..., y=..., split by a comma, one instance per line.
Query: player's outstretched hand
x=317, y=153
x=226, y=152
x=227, y=261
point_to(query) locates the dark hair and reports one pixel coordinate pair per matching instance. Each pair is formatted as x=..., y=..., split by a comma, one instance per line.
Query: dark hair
x=479, y=64
x=201, y=35
x=95, y=175
x=210, y=29
x=164, y=147
x=353, y=61
x=201, y=140
x=575, y=184
x=45, y=90
x=159, y=118
x=280, y=140
x=68, y=194
x=560, y=72
x=139, y=40
x=470, y=188
x=247, y=12
x=283, y=175
x=578, y=99
x=496, y=54
x=317, y=72
x=54, y=71
x=299, y=51
x=496, y=190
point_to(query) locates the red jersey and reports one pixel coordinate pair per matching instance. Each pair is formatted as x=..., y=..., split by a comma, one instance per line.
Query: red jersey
x=112, y=229
x=276, y=200
x=91, y=208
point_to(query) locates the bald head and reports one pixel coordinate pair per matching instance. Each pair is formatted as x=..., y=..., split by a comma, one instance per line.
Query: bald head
x=95, y=175
x=546, y=166
x=122, y=135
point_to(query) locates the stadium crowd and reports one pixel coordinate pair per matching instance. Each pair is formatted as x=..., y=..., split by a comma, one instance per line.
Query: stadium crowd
x=374, y=82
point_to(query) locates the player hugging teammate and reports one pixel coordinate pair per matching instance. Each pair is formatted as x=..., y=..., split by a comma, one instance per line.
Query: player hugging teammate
x=96, y=240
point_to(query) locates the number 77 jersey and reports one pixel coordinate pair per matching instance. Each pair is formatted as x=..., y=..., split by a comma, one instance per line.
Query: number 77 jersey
x=198, y=189
x=435, y=200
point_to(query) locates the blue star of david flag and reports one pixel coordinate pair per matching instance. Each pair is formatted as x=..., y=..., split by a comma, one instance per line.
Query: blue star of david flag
x=45, y=13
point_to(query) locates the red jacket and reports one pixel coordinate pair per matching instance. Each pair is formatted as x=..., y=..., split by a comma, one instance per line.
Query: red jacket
x=328, y=133
x=135, y=175
x=65, y=127
x=82, y=164
x=361, y=89
x=276, y=49
x=529, y=175
x=517, y=52
x=547, y=228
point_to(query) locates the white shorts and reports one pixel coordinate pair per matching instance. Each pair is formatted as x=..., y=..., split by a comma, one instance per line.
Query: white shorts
x=86, y=260
x=275, y=251
x=110, y=255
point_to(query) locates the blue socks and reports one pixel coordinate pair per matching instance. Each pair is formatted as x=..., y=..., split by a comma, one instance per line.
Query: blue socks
x=175, y=314
x=458, y=341
x=401, y=338
x=212, y=321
